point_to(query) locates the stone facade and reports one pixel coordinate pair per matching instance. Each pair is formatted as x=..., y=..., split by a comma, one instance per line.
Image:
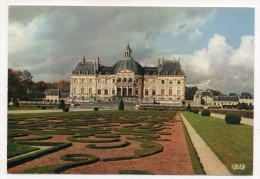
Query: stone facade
x=127, y=78
x=221, y=101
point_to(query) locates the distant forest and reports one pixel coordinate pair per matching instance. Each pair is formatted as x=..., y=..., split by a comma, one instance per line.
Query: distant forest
x=20, y=83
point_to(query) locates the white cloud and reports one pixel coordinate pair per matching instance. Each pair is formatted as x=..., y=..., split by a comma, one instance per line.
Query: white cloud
x=220, y=66
x=244, y=55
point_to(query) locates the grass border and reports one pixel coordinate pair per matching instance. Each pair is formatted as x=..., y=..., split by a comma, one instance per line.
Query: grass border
x=195, y=160
x=20, y=160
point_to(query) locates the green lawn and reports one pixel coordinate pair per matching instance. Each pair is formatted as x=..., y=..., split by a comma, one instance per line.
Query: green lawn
x=233, y=144
x=15, y=149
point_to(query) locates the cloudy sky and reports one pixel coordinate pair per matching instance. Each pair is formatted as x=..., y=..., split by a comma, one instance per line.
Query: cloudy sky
x=215, y=45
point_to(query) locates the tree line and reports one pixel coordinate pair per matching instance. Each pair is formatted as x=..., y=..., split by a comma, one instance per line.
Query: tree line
x=20, y=84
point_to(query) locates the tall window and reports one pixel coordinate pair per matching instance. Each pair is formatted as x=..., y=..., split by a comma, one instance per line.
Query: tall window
x=146, y=92
x=113, y=80
x=162, y=91
x=106, y=91
x=82, y=91
x=170, y=92
x=118, y=91
x=162, y=81
x=179, y=81
x=154, y=92
x=99, y=91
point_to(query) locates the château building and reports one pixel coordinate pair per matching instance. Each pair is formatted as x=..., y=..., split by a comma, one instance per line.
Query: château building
x=127, y=78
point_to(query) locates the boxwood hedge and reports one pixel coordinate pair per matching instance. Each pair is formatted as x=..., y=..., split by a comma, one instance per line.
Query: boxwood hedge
x=233, y=118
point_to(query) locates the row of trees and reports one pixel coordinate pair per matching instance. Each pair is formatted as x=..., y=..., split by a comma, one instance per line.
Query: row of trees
x=20, y=83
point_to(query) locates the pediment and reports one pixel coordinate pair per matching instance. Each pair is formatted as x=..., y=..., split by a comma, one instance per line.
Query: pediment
x=126, y=71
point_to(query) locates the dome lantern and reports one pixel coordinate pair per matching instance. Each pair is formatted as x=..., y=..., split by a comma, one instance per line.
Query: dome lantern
x=128, y=52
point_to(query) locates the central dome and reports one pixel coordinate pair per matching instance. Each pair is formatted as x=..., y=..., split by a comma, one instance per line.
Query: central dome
x=128, y=63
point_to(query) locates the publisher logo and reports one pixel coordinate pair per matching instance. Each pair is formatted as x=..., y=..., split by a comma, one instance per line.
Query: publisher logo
x=238, y=166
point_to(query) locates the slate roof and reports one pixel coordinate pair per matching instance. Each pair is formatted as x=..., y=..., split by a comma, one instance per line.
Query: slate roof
x=207, y=93
x=151, y=70
x=105, y=70
x=246, y=95
x=128, y=64
x=171, y=67
x=232, y=94
x=84, y=66
x=228, y=98
x=53, y=92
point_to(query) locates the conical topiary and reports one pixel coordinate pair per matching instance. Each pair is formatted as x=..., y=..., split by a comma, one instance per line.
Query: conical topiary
x=121, y=105
x=62, y=104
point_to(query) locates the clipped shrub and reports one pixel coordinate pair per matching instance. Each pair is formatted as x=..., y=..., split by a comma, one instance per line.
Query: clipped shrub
x=94, y=146
x=205, y=112
x=16, y=103
x=233, y=118
x=191, y=110
x=188, y=107
x=95, y=108
x=43, y=107
x=62, y=104
x=195, y=111
x=76, y=160
x=121, y=105
x=65, y=109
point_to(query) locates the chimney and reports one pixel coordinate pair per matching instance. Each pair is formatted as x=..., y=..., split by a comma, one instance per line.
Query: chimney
x=83, y=60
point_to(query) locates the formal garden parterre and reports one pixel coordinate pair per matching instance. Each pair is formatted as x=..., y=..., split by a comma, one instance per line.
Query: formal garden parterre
x=98, y=142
